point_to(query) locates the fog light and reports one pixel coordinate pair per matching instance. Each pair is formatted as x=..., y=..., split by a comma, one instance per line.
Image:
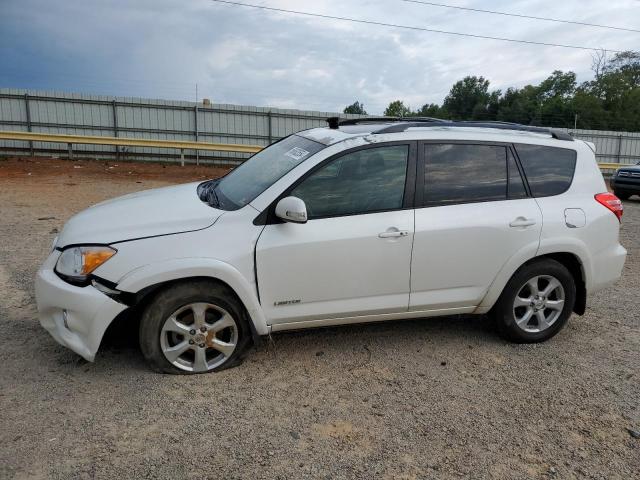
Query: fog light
x=65, y=316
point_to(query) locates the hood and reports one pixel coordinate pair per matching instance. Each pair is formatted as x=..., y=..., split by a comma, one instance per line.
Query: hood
x=149, y=213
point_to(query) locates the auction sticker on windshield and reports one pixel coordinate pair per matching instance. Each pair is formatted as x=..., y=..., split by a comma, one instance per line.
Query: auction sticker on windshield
x=297, y=153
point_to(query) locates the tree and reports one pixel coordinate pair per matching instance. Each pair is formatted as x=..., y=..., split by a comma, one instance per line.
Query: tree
x=469, y=98
x=555, y=94
x=356, y=108
x=397, y=109
x=518, y=105
x=610, y=101
x=598, y=62
x=431, y=110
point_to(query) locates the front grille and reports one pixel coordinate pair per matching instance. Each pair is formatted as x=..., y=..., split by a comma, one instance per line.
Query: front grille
x=624, y=173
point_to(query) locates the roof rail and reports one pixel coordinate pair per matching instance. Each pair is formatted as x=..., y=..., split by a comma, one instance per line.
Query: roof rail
x=401, y=127
x=364, y=120
x=401, y=124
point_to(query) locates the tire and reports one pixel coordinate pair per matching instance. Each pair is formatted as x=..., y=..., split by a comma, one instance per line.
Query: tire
x=522, y=317
x=622, y=196
x=194, y=327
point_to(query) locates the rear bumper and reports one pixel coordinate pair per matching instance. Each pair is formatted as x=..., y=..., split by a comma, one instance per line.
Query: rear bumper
x=607, y=268
x=76, y=317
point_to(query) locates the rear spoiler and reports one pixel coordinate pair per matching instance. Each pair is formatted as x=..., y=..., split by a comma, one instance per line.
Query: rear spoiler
x=591, y=145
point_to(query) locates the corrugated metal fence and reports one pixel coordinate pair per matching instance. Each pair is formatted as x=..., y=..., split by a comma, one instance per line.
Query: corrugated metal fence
x=79, y=114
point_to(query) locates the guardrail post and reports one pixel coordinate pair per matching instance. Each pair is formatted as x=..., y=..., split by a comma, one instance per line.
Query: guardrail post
x=28, y=110
x=70, y=150
x=182, y=157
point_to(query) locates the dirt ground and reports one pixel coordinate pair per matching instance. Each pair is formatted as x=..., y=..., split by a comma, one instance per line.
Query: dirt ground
x=437, y=398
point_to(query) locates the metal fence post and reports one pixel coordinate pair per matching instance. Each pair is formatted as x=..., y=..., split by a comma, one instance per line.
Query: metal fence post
x=269, y=127
x=70, y=150
x=28, y=110
x=195, y=111
x=115, y=126
x=619, y=147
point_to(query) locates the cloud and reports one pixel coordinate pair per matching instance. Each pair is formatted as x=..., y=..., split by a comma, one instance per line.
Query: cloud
x=163, y=48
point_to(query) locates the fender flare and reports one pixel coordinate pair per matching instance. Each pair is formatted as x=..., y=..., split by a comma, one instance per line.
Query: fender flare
x=184, y=268
x=527, y=253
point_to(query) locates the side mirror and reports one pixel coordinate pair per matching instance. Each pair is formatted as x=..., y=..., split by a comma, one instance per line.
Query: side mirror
x=292, y=209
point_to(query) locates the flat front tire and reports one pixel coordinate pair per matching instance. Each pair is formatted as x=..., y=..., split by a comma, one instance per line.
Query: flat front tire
x=193, y=327
x=536, y=302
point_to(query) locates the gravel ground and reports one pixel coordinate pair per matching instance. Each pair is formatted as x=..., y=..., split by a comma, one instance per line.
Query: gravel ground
x=438, y=398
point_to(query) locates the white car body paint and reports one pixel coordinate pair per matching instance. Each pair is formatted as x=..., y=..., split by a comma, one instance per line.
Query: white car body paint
x=139, y=215
x=448, y=239
x=334, y=270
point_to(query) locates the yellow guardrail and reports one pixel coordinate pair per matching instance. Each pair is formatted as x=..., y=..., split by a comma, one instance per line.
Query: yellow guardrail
x=610, y=166
x=128, y=142
x=144, y=142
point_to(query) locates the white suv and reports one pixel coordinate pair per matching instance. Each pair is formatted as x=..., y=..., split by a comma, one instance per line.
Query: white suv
x=368, y=220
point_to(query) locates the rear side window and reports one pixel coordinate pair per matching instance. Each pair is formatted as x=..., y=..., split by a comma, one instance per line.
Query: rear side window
x=549, y=170
x=457, y=173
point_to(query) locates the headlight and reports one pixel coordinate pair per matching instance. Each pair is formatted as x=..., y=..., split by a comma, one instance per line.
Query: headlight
x=76, y=263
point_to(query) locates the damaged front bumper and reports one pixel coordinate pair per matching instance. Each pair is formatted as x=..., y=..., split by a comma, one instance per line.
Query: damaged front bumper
x=76, y=317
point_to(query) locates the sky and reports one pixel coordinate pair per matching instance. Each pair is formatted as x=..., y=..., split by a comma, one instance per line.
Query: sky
x=239, y=55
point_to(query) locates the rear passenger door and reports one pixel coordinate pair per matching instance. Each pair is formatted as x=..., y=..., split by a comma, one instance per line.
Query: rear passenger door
x=473, y=213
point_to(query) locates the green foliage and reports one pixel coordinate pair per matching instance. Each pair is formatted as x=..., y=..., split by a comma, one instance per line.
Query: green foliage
x=610, y=101
x=397, y=109
x=432, y=110
x=356, y=108
x=468, y=98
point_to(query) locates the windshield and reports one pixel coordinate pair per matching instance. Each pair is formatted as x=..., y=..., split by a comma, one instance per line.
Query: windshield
x=245, y=183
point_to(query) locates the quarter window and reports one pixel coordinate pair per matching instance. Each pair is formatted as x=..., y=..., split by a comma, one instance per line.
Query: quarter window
x=458, y=173
x=549, y=170
x=364, y=181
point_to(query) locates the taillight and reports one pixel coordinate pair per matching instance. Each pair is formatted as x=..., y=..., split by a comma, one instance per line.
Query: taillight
x=612, y=202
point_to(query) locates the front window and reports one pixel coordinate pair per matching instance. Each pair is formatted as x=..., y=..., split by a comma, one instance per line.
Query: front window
x=258, y=173
x=364, y=181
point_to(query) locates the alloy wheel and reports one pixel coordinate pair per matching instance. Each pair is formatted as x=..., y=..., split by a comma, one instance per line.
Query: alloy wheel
x=199, y=337
x=538, y=303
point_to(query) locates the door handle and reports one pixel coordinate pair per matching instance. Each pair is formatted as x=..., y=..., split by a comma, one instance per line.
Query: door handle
x=393, y=233
x=522, y=222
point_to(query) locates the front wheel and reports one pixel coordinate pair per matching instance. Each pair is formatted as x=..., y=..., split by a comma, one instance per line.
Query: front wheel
x=536, y=303
x=193, y=327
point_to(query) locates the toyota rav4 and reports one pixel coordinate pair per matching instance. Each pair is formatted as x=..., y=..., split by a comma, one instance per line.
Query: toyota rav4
x=362, y=221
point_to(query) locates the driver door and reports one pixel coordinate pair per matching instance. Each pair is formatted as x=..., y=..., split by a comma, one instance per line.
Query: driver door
x=352, y=257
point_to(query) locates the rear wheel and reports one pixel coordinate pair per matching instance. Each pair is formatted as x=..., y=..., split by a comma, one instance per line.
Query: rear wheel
x=193, y=327
x=536, y=303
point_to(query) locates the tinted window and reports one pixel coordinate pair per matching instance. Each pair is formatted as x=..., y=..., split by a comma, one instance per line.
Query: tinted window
x=364, y=181
x=516, y=184
x=549, y=170
x=464, y=173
